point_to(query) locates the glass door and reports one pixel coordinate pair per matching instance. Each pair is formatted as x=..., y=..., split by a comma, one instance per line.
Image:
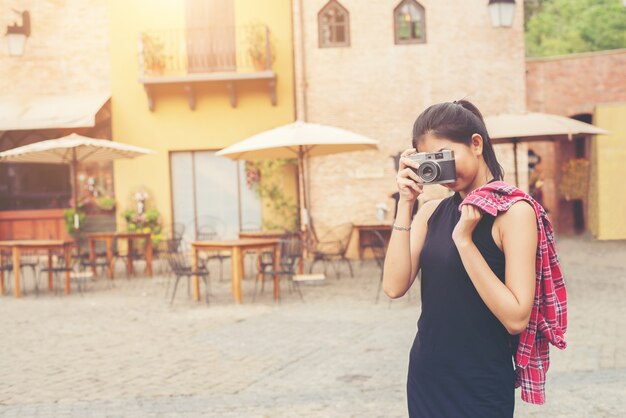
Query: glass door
x=210, y=193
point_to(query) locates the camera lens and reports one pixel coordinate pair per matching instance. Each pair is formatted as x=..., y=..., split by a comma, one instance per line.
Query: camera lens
x=428, y=171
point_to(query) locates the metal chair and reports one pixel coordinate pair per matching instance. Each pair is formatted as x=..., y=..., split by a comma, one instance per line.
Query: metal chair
x=209, y=233
x=181, y=267
x=290, y=251
x=332, y=248
x=58, y=267
x=27, y=260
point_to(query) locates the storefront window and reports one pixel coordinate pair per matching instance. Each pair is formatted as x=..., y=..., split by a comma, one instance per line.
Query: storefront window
x=26, y=186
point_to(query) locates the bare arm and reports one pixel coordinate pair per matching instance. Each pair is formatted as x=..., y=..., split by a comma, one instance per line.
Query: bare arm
x=511, y=302
x=403, y=253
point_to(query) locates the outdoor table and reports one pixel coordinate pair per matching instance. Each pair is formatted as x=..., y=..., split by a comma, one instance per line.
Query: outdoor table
x=236, y=247
x=108, y=238
x=262, y=234
x=17, y=246
x=364, y=236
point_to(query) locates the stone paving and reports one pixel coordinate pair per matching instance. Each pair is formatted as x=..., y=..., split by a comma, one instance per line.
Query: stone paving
x=122, y=351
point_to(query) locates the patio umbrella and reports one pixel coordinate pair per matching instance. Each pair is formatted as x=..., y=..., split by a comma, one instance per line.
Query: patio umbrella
x=298, y=140
x=529, y=127
x=72, y=149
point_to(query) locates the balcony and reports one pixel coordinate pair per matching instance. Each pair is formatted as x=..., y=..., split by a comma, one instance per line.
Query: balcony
x=225, y=55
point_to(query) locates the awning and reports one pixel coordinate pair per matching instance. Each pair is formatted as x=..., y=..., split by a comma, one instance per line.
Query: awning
x=48, y=112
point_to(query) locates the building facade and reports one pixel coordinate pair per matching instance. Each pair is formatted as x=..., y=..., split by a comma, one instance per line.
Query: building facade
x=374, y=69
x=186, y=83
x=57, y=84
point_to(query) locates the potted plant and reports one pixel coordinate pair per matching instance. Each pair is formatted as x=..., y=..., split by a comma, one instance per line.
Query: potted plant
x=68, y=214
x=257, y=41
x=106, y=203
x=153, y=55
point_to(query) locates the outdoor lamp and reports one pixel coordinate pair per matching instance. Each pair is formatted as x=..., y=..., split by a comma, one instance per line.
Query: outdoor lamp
x=502, y=12
x=16, y=35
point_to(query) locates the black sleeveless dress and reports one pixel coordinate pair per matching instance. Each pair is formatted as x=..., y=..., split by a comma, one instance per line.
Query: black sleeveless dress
x=461, y=362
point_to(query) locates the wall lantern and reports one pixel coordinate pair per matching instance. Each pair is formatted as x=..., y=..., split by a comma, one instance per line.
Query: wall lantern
x=16, y=35
x=502, y=12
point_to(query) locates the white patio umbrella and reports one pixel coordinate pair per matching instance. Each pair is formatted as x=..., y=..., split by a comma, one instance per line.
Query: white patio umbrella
x=298, y=140
x=537, y=126
x=531, y=127
x=72, y=149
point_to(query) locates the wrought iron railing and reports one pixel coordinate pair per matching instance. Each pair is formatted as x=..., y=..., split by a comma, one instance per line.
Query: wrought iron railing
x=179, y=52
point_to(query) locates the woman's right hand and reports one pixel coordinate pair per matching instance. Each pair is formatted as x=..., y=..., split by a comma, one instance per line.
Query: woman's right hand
x=409, y=183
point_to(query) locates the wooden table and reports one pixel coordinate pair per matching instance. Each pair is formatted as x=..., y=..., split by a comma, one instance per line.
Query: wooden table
x=236, y=247
x=108, y=238
x=262, y=234
x=365, y=237
x=40, y=245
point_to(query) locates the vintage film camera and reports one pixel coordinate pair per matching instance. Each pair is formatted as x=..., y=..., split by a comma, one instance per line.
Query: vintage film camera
x=435, y=167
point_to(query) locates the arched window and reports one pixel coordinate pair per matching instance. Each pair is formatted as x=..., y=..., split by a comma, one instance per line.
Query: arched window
x=409, y=22
x=333, y=25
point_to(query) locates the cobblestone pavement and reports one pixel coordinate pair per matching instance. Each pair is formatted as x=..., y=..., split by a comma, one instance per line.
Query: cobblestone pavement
x=122, y=351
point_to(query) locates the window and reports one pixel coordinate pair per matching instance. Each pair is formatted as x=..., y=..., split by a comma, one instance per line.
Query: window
x=25, y=186
x=333, y=25
x=409, y=23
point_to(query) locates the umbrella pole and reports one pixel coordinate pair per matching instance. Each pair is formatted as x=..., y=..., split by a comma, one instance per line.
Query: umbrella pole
x=302, y=201
x=74, y=169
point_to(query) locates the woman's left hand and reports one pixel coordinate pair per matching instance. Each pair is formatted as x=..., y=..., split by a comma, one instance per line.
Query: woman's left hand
x=470, y=216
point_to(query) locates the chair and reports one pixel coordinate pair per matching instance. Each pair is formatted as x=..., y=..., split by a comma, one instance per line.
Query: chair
x=171, y=237
x=84, y=260
x=58, y=267
x=209, y=233
x=290, y=251
x=28, y=259
x=181, y=267
x=332, y=247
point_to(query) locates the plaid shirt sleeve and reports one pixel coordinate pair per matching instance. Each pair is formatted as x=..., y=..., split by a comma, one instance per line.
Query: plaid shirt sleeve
x=548, y=318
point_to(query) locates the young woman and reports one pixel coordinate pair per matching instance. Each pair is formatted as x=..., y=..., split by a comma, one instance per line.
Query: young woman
x=477, y=274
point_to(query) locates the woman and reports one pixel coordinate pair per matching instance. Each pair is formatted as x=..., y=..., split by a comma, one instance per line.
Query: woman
x=477, y=274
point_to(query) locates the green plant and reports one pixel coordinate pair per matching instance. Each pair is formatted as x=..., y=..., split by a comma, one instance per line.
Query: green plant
x=146, y=222
x=68, y=214
x=256, y=39
x=105, y=202
x=154, y=57
x=265, y=178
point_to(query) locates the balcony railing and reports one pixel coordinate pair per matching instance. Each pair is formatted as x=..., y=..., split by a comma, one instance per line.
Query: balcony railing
x=225, y=54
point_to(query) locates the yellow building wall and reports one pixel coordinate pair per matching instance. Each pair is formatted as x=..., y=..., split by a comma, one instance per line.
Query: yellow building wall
x=607, y=211
x=173, y=126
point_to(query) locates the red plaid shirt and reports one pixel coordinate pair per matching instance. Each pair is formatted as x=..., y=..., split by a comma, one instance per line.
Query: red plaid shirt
x=548, y=318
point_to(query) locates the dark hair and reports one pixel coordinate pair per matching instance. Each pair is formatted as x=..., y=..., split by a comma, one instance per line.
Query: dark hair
x=457, y=121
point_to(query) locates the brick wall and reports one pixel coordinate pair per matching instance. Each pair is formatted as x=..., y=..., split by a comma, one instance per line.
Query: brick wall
x=66, y=52
x=573, y=84
x=377, y=88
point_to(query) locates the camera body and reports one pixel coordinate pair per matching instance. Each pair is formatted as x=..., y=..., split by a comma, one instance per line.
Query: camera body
x=435, y=167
